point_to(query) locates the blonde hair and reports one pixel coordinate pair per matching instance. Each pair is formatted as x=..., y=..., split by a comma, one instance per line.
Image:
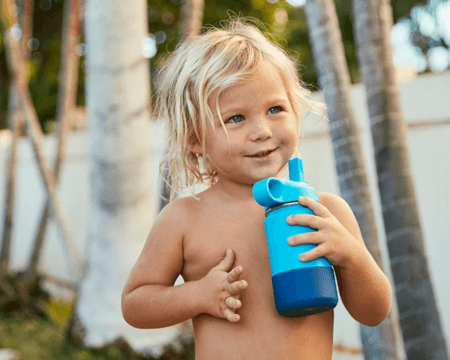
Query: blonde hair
x=213, y=62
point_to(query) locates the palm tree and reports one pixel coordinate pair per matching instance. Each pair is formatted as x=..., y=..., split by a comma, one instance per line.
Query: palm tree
x=192, y=17
x=419, y=316
x=334, y=79
x=121, y=204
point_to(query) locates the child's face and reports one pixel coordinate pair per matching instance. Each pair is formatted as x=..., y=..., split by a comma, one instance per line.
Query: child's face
x=261, y=125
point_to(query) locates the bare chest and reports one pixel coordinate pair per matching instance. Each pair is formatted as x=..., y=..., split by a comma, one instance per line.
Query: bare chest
x=261, y=333
x=208, y=238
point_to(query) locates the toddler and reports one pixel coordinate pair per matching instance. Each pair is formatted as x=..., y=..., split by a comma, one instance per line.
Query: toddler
x=234, y=102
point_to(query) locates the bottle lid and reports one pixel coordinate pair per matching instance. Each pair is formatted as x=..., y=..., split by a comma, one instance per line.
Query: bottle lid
x=273, y=191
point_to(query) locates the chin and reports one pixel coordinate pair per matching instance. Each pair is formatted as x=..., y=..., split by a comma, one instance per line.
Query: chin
x=266, y=175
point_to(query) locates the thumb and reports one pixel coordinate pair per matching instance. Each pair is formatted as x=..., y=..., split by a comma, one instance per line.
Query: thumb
x=227, y=262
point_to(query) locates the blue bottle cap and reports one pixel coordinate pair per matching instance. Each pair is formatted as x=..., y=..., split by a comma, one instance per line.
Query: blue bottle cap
x=273, y=191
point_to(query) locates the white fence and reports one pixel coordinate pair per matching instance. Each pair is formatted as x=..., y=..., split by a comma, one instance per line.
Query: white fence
x=426, y=108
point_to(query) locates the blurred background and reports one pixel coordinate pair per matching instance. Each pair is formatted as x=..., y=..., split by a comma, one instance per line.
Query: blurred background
x=421, y=35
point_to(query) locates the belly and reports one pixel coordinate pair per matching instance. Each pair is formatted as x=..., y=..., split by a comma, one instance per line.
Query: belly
x=264, y=335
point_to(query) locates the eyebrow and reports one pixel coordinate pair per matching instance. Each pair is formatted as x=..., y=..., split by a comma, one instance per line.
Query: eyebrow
x=237, y=109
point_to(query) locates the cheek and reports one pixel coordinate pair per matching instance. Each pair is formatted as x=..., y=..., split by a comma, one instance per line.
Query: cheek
x=238, y=139
x=290, y=132
x=218, y=145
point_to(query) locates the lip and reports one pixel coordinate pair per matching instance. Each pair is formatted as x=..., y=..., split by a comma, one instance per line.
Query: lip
x=267, y=153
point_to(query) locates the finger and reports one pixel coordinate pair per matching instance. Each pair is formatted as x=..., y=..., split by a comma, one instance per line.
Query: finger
x=311, y=254
x=234, y=274
x=230, y=315
x=237, y=287
x=227, y=262
x=316, y=207
x=312, y=221
x=233, y=303
x=312, y=237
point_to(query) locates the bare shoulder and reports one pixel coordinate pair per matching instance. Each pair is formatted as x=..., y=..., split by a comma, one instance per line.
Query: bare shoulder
x=179, y=210
x=161, y=259
x=334, y=203
x=338, y=207
x=171, y=224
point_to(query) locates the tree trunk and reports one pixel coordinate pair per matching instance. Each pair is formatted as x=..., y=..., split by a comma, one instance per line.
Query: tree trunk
x=66, y=103
x=15, y=120
x=192, y=17
x=27, y=28
x=419, y=316
x=15, y=123
x=378, y=342
x=17, y=69
x=121, y=209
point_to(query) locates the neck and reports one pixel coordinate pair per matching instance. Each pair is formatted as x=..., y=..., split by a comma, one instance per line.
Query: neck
x=234, y=191
x=241, y=191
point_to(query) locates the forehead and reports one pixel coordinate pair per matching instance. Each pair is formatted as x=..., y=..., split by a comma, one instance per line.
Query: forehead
x=265, y=82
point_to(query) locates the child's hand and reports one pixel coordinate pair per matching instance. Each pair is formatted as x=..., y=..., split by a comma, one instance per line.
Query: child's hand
x=223, y=289
x=334, y=241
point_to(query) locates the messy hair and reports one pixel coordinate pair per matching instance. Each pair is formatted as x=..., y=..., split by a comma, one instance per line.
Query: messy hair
x=211, y=63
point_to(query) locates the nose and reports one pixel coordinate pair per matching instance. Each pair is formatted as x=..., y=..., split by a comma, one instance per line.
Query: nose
x=262, y=129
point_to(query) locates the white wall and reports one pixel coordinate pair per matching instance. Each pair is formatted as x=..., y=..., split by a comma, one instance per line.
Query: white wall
x=426, y=109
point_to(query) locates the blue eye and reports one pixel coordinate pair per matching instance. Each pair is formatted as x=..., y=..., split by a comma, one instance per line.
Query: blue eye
x=274, y=110
x=235, y=119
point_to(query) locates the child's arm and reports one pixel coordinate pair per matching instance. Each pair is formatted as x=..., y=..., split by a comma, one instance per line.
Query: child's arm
x=364, y=289
x=150, y=300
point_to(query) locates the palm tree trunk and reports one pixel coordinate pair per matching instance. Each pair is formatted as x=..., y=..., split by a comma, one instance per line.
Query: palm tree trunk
x=378, y=342
x=66, y=103
x=192, y=17
x=17, y=68
x=419, y=316
x=121, y=209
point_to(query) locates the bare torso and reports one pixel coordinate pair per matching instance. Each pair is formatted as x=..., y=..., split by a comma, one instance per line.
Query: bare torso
x=261, y=333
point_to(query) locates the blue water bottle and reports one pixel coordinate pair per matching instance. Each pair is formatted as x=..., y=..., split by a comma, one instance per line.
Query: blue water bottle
x=300, y=288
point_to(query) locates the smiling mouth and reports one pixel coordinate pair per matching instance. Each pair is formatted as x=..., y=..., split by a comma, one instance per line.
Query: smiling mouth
x=262, y=154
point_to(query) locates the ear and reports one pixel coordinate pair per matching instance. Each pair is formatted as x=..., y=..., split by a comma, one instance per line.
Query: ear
x=195, y=147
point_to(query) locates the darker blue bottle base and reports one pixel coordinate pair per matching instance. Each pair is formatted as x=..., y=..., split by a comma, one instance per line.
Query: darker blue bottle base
x=305, y=291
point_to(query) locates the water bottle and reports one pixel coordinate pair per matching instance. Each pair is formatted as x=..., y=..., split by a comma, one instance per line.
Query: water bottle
x=300, y=288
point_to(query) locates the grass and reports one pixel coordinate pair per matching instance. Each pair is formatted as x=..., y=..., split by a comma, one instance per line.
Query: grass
x=38, y=339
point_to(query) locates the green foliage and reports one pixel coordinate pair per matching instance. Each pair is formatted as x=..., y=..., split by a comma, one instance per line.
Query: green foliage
x=37, y=339
x=164, y=16
x=60, y=311
x=298, y=44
